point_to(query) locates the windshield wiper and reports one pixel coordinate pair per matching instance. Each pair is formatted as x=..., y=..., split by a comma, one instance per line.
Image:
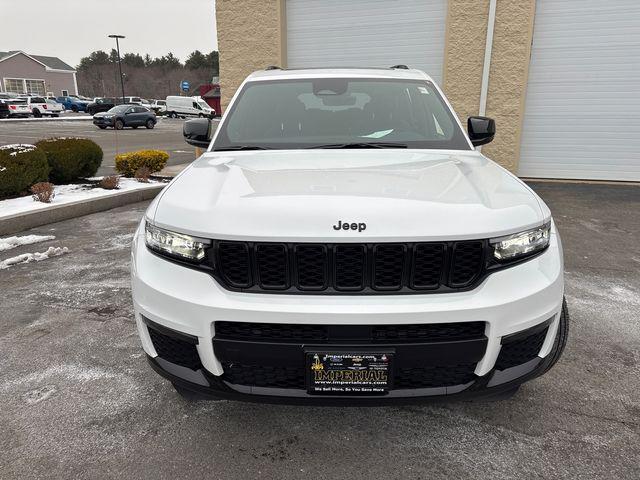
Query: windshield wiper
x=362, y=145
x=239, y=147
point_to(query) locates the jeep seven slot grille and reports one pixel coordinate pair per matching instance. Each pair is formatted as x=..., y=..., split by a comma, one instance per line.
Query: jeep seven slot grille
x=353, y=268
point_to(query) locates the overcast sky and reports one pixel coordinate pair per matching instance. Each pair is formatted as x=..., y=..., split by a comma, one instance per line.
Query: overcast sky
x=71, y=29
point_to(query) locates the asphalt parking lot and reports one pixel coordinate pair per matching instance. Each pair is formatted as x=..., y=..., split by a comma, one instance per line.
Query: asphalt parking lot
x=79, y=400
x=167, y=135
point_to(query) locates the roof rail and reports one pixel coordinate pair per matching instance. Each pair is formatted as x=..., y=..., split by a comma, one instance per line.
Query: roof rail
x=401, y=67
x=273, y=67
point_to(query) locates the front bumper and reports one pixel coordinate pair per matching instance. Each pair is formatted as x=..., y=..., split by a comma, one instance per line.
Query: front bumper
x=106, y=122
x=183, y=302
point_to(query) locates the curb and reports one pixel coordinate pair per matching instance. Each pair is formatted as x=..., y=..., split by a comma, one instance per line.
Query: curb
x=45, y=119
x=24, y=221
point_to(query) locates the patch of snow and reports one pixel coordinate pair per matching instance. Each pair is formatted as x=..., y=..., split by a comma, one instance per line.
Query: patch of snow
x=33, y=257
x=18, y=147
x=13, y=242
x=68, y=194
x=76, y=373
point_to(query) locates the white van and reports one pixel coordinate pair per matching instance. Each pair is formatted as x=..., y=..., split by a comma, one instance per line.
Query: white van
x=183, y=106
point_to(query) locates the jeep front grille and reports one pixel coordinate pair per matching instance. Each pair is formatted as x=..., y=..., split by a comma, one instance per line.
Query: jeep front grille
x=352, y=268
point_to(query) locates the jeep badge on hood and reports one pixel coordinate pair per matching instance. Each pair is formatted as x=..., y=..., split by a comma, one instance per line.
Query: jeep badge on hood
x=361, y=227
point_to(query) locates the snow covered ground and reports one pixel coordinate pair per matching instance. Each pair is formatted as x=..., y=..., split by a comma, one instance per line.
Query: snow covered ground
x=68, y=194
x=13, y=242
x=33, y=257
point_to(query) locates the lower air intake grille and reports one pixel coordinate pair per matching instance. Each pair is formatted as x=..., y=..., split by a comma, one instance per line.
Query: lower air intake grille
x=434, y=376
x=264, y=376
x=307, y=333
x=521, y=351
x=174, y=350
x=447, y=332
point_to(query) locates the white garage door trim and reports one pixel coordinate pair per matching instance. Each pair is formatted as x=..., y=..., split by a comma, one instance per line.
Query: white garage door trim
x=582, y=114
x=366, y=33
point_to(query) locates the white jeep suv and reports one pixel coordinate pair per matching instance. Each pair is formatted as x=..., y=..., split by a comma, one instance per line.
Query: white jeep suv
x=342, y=242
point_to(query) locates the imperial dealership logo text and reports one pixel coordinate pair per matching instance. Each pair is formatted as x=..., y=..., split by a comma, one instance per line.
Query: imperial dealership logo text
x=360, y=227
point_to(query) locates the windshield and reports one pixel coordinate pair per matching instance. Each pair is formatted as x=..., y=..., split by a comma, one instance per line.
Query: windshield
x=204, y=104
x=120, y=109
x=307, y=113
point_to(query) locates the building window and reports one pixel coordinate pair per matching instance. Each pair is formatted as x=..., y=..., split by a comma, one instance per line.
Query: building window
x=35, y=86
x=14, y=85
x=65, y=93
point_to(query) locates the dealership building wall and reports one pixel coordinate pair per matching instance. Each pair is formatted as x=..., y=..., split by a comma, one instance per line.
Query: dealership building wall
x=254, y=33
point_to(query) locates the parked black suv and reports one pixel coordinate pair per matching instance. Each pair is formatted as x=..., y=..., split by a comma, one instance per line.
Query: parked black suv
x=103, y=105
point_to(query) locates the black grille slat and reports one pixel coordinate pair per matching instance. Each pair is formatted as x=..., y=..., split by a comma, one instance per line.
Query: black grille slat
x=233, y=260
x=466, y=264
x=355, y=269
x=428, y=261
x=388, y=266
x=311, y=267
x=273, y=266
x=350, y=265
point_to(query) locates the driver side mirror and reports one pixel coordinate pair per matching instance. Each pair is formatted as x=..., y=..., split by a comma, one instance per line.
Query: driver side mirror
x=481, y=130
x=197, y=132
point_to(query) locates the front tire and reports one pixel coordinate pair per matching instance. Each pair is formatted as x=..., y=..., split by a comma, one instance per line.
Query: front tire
x=101, y=127
x=118, y=125
x=74, y=109
x=561, y=338
x=150, y=124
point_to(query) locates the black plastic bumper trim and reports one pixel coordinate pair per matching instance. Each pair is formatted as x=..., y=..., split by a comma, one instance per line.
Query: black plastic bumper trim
x=221, y=390
x=185, y=337
x=522, y=334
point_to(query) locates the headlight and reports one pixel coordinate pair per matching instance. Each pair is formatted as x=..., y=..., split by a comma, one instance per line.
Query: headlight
x=521, y=244
x=176, y=245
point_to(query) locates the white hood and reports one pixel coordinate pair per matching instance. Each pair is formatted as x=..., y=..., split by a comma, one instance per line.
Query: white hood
x=299, y=195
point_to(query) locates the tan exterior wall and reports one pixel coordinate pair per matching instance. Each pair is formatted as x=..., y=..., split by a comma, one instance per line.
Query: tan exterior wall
x=508, y=76
x=464, y=55
x=511, y=50
x=251, y=36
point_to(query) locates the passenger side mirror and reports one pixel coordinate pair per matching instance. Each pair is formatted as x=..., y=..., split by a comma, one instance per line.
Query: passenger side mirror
x=197, y=132
x=481, y=130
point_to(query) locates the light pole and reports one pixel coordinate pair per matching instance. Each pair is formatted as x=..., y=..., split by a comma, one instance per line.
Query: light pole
x=117, y=37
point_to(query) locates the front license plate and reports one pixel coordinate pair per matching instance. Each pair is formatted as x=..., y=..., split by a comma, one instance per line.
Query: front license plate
x=340, y=373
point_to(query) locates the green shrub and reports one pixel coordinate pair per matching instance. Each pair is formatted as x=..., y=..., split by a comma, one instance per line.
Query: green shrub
x=71, y=158
x=129, y=163
x=20, y=167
